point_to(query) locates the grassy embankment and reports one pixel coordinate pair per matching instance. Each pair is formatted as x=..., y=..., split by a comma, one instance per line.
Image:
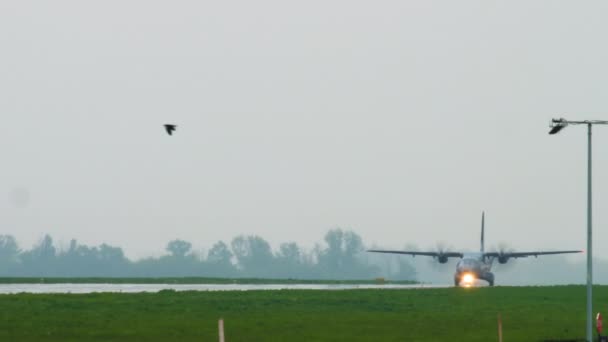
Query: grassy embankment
x=451, y=314
x=189, y=280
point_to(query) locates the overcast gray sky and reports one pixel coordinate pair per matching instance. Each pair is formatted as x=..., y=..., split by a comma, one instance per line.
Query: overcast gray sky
x=401, y=120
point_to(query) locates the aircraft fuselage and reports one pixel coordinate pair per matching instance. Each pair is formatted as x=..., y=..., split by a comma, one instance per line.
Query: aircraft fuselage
x=473, y=264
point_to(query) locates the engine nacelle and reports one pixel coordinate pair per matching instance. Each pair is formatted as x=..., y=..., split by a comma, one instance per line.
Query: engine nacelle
x=503, y=259
x=442, y=259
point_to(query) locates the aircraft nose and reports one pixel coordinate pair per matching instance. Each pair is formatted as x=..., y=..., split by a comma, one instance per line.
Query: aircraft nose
x=465, y=269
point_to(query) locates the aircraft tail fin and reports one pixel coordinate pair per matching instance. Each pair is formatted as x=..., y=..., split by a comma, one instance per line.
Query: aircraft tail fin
x=483, y=214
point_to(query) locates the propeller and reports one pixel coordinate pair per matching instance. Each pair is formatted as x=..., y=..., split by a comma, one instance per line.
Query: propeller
x=503, y=260
x=441, y=248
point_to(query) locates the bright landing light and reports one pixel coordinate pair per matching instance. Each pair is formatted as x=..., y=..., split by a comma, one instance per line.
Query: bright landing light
x=468, y=278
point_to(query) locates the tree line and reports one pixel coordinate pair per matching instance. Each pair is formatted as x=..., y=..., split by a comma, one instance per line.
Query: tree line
x=340, y=256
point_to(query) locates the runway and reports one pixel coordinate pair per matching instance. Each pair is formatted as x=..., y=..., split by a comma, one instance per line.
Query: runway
x=137, y=288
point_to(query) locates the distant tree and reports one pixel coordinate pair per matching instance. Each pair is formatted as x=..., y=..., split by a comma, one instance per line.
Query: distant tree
x=9, y=254
x=341, y=257
x=9, y=250
x=352, y=247
x=219, y=254
x=352, y=243
x=180, y=262
x=178, y=248
x=109, y=253
x=219, y=261
x=254, y=255
x=113, y=261
x=289, y=261
x=240, y=249
x=45, y=249
x=82, y=260
x=40, y=260
x=290, y=251
x=77, y=260
x=332, y=258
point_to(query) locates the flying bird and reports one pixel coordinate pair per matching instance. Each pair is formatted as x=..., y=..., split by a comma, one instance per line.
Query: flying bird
x=170, y=128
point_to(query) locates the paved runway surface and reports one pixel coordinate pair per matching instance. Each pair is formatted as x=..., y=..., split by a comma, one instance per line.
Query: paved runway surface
x=134, y=288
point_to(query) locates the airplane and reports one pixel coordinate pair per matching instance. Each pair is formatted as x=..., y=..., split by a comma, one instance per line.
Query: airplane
x=475, y=265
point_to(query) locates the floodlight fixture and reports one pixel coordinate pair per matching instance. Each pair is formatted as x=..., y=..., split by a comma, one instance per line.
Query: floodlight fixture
x=556, y=128
x=557, y=125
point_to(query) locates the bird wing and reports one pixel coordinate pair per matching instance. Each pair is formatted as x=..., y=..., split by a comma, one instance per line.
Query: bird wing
x=170, y=129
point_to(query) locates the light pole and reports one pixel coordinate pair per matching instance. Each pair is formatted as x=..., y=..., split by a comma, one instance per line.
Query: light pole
x=558, y=125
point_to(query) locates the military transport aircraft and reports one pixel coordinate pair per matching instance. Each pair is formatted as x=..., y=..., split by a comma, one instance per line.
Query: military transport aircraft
x=474, y=265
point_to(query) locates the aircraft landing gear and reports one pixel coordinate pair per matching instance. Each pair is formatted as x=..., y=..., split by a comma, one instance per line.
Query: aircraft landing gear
x=490, y=279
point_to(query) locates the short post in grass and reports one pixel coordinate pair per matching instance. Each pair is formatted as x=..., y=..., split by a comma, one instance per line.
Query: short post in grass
x=599, y=327
x=220, y=326
x=499, y=328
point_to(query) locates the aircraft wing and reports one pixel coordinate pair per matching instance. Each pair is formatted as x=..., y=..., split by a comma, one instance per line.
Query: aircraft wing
x=526, y=254
x=414, y=253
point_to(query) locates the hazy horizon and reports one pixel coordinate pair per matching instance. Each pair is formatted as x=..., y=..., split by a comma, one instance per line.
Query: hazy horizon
x=340, y=255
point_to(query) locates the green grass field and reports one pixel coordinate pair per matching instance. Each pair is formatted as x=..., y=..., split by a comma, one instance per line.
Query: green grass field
x=451, y=314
